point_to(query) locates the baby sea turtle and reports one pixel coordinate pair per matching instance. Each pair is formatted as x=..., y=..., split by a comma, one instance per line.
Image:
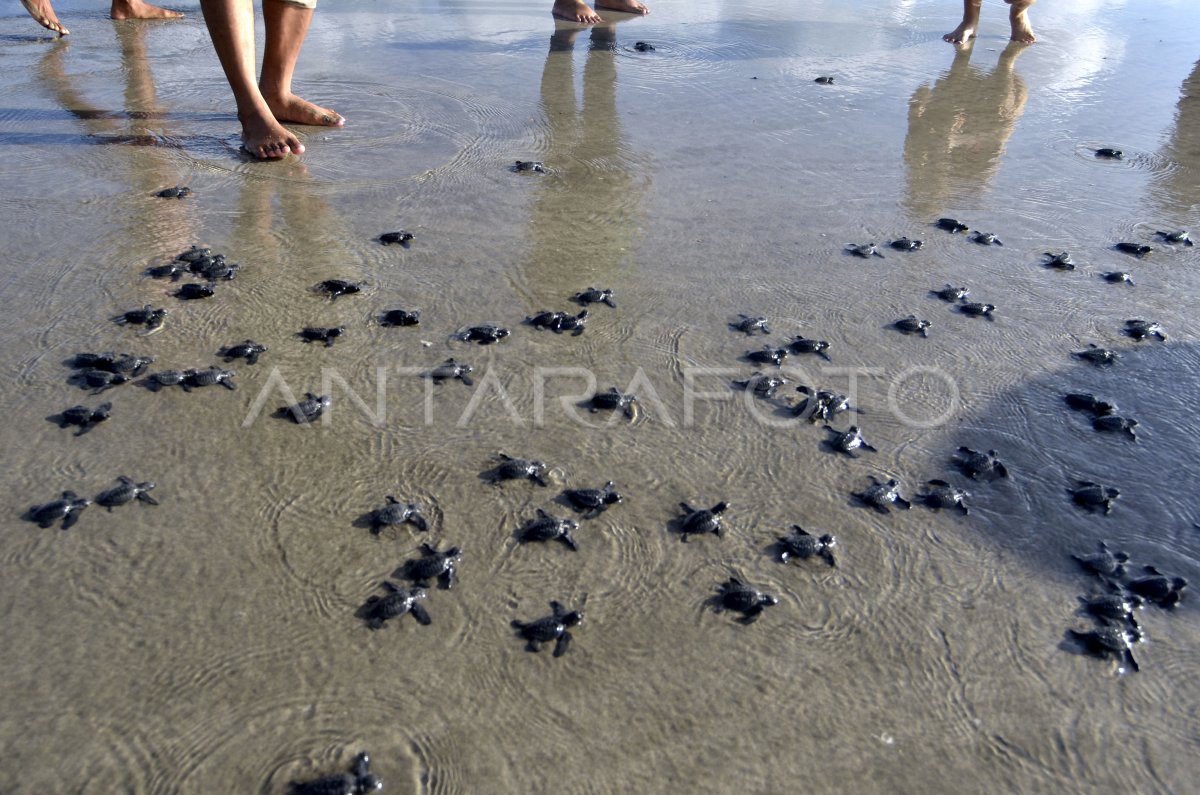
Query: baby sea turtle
x=978, y=465
x=1096, y=355
x=802, y=544
x=548, y=528
x=248, y=350
x=1138, y=250
x=824, y=80
x=336, y=288
x=976, y=309
x=699, y=521
x=358, y=781
x=801, y=344
x=1061, y=261
x=1091, y=496
x=156, y=381
x=554, y=627
x=1117, y=277
x=321, y=334
x=1115, y=424
x=511, y=468
x=193, y=253
x=558, y=322
x=613, y=400
x=762, y=385
x=913, y=325
x=86, y=418
x=451, y=369
x=398, y=601
x=396, y=512
x=192, y=292
x=100, y=380
x=1113, y=606
x=171, y=270
x=1156, y=587
x=484, y=334
x=591, y=502
x=176, y=192
x=401, y=238
x=1104, y=562
x=864, y=250
x=768, y=355
x=951, y=225
x=951, y=294
x=400, y=317
x=749, y=324
x=820, y=405
x=984, y=239
x=307, y=410
x=904, y=244
x=1108, y=153
x=593, y=295
x=1176, y=237
x=123, y=363
x=737, y=595
x=1085, y=401
x=215, y=269
x=643, y=46
x=127, y=491
x=529, y=165
x=879, y=495
x=147, y=316
x=65, y=508
x=848, y=441
x=208, y=377
x=1109, y=641
x=433, y=564
x=1140, y=329
x=941, y=494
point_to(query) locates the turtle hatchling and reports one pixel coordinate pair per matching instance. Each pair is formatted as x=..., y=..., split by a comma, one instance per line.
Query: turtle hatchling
x=193, y=291
x=801, y=344
x=591, y=502
x=100, y=380
x=904, y=244
x=400, y=317
x=1096, y=355
x=1085, y=401
x=171, y=270
x=768, y=355
x=820, y=405
x=529, y=165
x=358, y=781
x=511, y=468
x=739, y=596
x=1117, y=277
x=208, y=377
x=975, y=309
x=1109, y=641
x=593, y=295
x=554, y=627
x=848, y=441
x=951, y=294
x=978, y=465
x=1140, y=329
x=1104, y=562
x=1138, y=250
x=802, y=544
x=400, y=238
x=1061, y=261
x=940, y=494
x=433, y=564
x=1114, y=605
x=336, y=288
x=176, y=192
x=1108, y=153
x=913, y=325
x=86, y=418
x=396, y=512
x=700, y=521
x=248, y=350
x=126, y=491
x=985, y=239
x=1176, y=237
x=451, y=369
x=307, y=410
x=379, y=609
x=762, y=385
x=156, y=381
x=824, y=80
x=1156, y=587
x=615, y=400
x=1114, y=424
x=1092, y=496
x=321, y=334
x=65, y=509
x=643, y=46
x=749, y=325
x=484, y=334
x=548, y=528
x=147, y=316
x=951, y=225
x=864, y=250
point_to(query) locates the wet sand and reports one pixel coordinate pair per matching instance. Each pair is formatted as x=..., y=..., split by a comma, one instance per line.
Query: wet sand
x=209, y=644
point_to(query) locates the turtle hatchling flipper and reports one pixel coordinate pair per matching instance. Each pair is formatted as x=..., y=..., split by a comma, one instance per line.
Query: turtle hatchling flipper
x=420, y=614
x=146, y=498
x=561, y=645
x=418, y=521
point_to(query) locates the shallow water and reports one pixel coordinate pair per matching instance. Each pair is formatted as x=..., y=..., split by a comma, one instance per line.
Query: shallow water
x=209, y=644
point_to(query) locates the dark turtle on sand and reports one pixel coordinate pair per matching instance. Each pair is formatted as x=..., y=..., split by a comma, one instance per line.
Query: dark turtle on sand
x=951, y=294
x=451, y=369
x=400, y=317
x=978, y=465
x=433, y=564
x=1092, y=496
x=594, y=295
x=248, y=350
x=940, y=494
x=201, y=264
x=1108, y=153
x=336, y=288
x=848, y=441
x=1117, y=277
x=558, y=322
x=193, y=253
x=65, y=509
x=126, y=491
x=86, y=418
x=591, y=502
x=1114, y=605
x=192, y=292
x=1138, y=250
x=307, y=410
x=1176, y=237
x=358, y=781
x=802, y=544
x=171, y=270
x=210, y=376
x=820, y=405
x=737, y=595
x=1085, y=401
x=864, y=250
x=768, y=355
x=147, y=316
x=951, y=225
x=100, y=380
x=984, y=239
x=1104, y=562
x=614, y=400
x=215, y=269
x=175, y=192
x=529, y=165
x=762, y=385
x=976, y=309
x=98, y=361
x=484, y=334
x=400, y=238
x=913, y=325
x=801, y=344
x=643, y=46
x=1114, y=424
x=1109, y=641
x=321, y=334
x=129, y=364
x=904, y=244
x=1156, y=587
x=824, y=80
x=511, y=468
x=156, y=381
x=1096, y=355
x=396, y=602
x=751, y=324
x=1140, y=329
x=396, y=512
x=548, y=528
x=554, y=627
x=1061, y=261
x=700, y=521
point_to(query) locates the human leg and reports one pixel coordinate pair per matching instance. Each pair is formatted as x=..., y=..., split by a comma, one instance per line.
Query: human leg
x=1022, y=31
x=43, y=14
x=286, y=26
x=970, y=21
x=137, y=9
x=624, y=6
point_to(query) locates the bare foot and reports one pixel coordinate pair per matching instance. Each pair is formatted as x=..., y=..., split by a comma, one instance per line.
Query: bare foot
x=960, y=35
x=624, y=6
x=1022, y=31
x=136, y=9
x=290, y=107
x=267, y=139
x=575, y=11
x=43, y=13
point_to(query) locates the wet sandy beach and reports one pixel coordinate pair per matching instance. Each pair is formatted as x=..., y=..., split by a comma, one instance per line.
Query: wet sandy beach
x=209, y=644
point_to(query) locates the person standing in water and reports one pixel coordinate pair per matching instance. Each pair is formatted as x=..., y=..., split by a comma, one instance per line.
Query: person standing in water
x=579, y=11
x=43, y=13
x=264, y=104
x=1022, y=31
